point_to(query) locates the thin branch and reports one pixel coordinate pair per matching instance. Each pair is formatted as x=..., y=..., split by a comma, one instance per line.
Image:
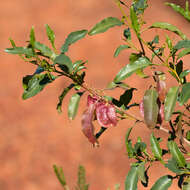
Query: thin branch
x=167, y=131
x=142, y=47
x=127, y=115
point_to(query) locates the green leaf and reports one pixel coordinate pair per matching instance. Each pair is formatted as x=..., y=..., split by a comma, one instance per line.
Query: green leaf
x=132, y=179
x=128, y=134
x=32, y=37
x=34, y=84
x=173, y=166
x=169, y=42
x=46, y=51
x=134, y=57
x=139, y=148
x=150, y=108
x=186, y=184
x=64, y=63
x=182, y=44
x=183, y=53
x=60, y=175
x=169, y=27
x=119, y=49
x=155, y=40
x=26, y=80
x=141, y=172
x=180, y=10
x=20, y=51
x=73, y=105
x=113, y=85
x=61, y=97
x=185, y=93
x=188, y=135
x=176, y=154
x=80, y=68
x=128, y=144
x=155, y=146
x=162, y=183
x=141, y=74
x=140, y=6
x=127, y=34
x=77, y=63
x=170, y=102
x=130, y=150
x=12, y=42
x=184, y=73
x=82, y=179
x=104, y=25
x=134, y=20
x=50, y=34
x=131, y=68
x=72, y=38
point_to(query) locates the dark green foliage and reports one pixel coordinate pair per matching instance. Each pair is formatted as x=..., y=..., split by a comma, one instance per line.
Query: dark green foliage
x=60, y=176
x=163, y=107
x=61, y=97
x=20, y=51
x=119, y=49
x=185, y=94
x=170, y=102
x=184, y=12
x=73, y=105
x=104, y=25
x=155, y=146
x=132, y=179
x=81, y=183
x=140, y=6
x=64, y=63
x=169, y=27
x=127, y=34
x=50, y=35
x=162, y=183
x=131, y=68
x=72, y=38
x=33, y=84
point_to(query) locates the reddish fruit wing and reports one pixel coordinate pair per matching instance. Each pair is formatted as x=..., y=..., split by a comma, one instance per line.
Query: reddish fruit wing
x=161, y=89
x=102, y=115
x=112, y=115
x=87, y=126
x=91, y=100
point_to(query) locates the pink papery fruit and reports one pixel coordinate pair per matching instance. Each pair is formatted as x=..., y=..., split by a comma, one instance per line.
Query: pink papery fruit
x=161, y=89
x=106, y=114
x=91, y=100
x=87, y=125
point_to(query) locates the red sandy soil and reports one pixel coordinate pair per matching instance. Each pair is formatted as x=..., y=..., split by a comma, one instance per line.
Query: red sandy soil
x=33, y=136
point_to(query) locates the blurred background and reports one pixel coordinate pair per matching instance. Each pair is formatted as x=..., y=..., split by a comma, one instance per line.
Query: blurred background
x=33, y=136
